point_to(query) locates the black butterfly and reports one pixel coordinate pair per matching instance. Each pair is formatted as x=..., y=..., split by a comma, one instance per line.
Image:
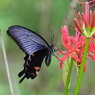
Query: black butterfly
x=35, y=47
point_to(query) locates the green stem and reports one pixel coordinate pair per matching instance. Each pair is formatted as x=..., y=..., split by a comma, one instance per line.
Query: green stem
x=82, y=67
x=68, y=77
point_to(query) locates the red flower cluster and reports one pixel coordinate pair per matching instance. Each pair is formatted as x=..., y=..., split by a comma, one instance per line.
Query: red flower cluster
x=74, y=46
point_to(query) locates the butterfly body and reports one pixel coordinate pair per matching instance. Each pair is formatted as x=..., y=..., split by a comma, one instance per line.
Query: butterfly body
x=35, y=47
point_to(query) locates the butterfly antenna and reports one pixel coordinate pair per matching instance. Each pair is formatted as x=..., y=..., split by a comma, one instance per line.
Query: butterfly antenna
x=52, y=37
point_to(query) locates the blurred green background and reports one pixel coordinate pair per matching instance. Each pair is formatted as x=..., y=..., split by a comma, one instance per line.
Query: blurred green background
x=40, y=16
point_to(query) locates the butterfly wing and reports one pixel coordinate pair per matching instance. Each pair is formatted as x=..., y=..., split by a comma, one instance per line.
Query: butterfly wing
x=27, y=40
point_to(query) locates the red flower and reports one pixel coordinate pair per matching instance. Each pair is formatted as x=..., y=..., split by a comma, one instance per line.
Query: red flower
x=85, y=22
x=74, y=46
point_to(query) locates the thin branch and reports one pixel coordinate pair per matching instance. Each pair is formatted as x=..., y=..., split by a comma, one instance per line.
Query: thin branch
x=6, y=65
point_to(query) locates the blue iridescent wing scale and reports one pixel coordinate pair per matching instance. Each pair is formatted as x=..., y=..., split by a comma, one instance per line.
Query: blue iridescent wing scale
x=27, y=40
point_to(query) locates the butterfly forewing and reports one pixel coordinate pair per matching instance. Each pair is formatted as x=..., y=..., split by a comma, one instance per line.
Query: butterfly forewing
x=27, y=40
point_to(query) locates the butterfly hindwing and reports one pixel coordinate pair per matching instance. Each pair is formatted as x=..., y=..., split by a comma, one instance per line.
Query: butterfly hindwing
x=32, y=64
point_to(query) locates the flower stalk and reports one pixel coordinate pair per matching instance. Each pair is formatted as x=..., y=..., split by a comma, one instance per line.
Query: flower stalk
x=68, y=77
x=82, y=67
